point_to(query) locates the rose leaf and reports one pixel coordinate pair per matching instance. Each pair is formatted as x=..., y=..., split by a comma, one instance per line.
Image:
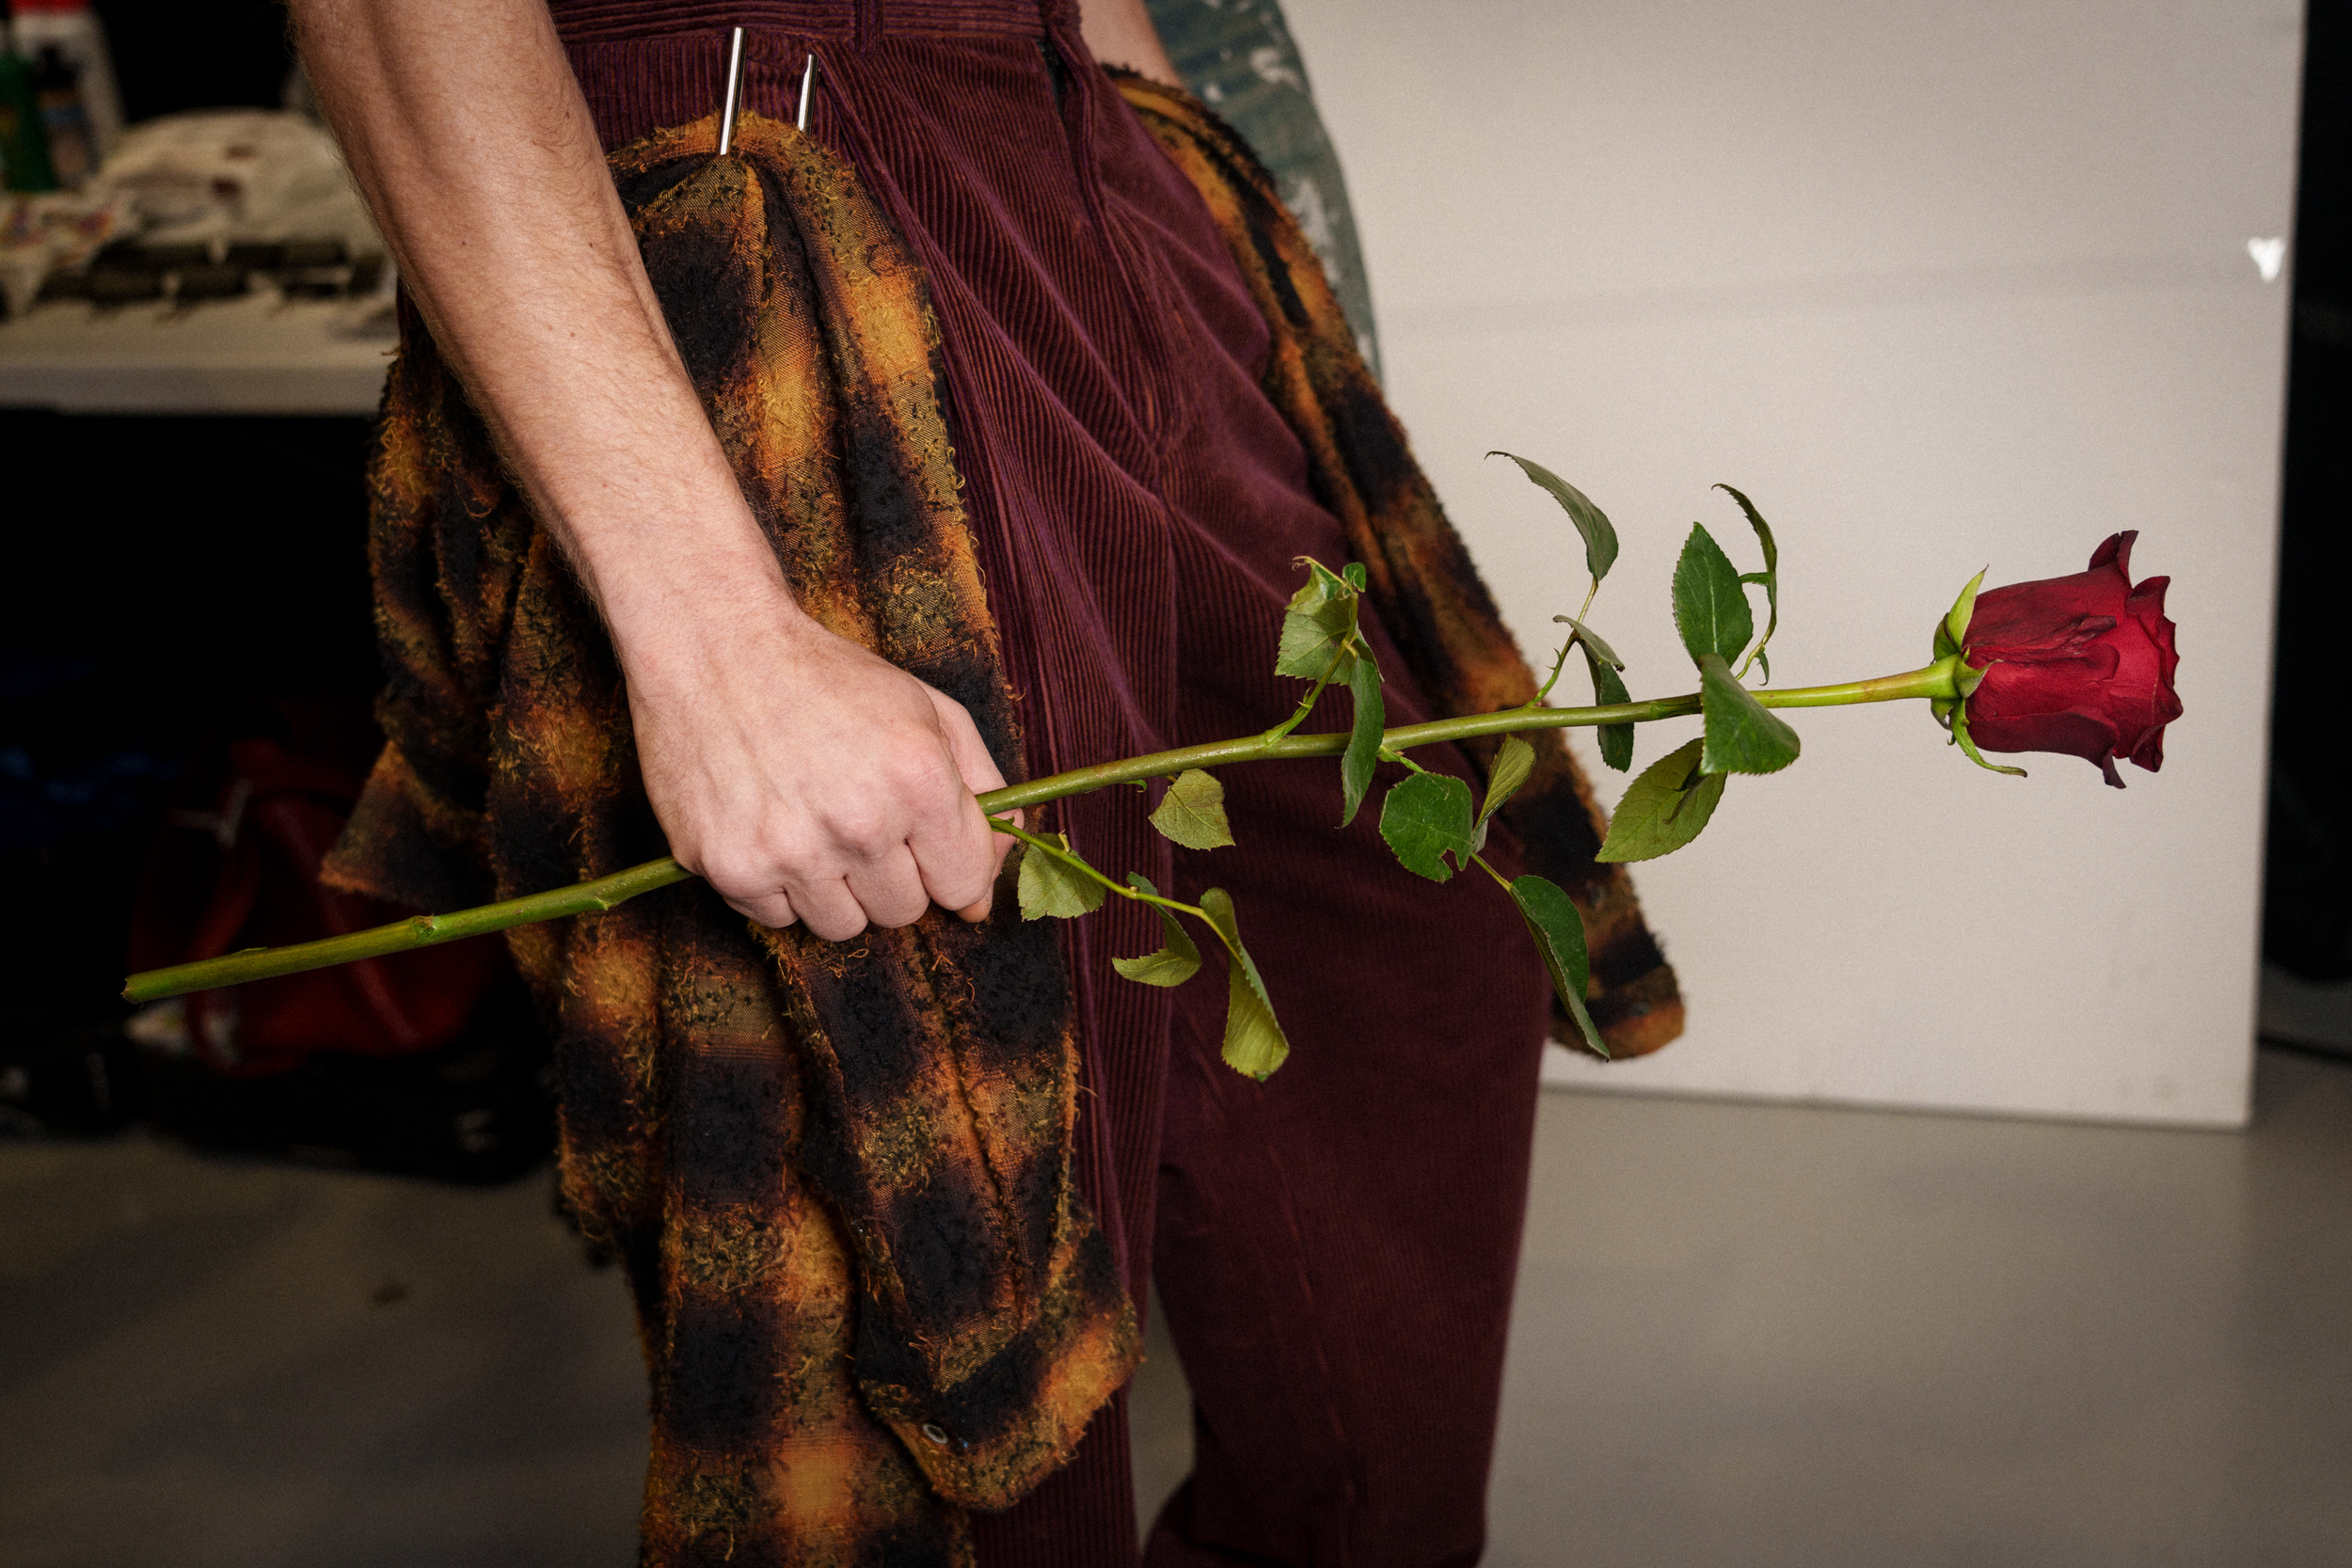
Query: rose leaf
x=1664, y=808
x=1616, y=740
x=1425, y=818
x=1768, y=578
x=1171, y=965
x=1363, y=740
x=1580, y=632
x=1051, y=885
x=1515, y=759
x=1254, y=1042
x=1742, y=736
x=1193, y=812
x=1710, y=608
x=1600, y=538
x=1321, y=617
x=1552, y=920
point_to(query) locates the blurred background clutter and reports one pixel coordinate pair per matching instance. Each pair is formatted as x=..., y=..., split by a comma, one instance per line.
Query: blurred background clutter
x=197, y=313
x=202, y=198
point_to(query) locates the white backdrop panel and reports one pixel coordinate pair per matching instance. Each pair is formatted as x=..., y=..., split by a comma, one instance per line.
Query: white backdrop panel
x=1939, y=285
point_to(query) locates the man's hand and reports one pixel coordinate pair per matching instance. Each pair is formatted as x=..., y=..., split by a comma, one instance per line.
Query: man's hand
x=804, y=778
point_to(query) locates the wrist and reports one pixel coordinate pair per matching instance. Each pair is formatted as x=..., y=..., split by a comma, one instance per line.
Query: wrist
x=676, y=614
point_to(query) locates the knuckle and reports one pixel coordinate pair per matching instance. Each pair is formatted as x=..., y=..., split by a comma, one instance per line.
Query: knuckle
x=925, y=773
x=736, y=875
x=805, y=858
x=862, y=828
x=789, y=862
x=834, y=926
x=774, y=913
x=959, y=726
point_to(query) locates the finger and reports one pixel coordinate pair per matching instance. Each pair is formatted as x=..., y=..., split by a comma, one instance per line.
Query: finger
x=978, y=770
x=957, y=871
x=954, y=851
x=830, y=910
x=773, y=911
x=890, y=890
x=747, y=883
x=980, y=774
x=953, y=854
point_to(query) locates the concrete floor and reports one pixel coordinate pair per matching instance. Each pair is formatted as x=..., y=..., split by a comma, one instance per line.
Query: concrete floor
x=1746, y=1335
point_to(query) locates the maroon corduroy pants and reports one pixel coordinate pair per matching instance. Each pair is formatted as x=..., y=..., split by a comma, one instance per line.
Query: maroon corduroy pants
x=1334, y=1248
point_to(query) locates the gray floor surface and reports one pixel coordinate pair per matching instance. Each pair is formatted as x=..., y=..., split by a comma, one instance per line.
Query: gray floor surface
x=1747, y=1335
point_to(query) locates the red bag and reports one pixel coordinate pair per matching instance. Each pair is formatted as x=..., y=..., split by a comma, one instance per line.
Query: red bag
x=236, y=865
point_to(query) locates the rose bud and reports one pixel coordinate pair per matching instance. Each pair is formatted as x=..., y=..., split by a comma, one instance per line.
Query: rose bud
x=2081, y=665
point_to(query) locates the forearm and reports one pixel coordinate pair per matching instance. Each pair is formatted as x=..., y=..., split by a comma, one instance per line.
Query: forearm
x=469, y=137
x=804, y=776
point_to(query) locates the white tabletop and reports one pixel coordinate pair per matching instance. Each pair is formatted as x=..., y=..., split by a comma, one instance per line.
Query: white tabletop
x=257, y=355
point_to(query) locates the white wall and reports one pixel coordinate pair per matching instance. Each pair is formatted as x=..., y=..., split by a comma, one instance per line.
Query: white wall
x=1939, y=285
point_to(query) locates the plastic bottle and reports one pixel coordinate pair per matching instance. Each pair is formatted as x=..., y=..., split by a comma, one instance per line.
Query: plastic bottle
x=24, y=144
x=71, y=28
x=72, y=159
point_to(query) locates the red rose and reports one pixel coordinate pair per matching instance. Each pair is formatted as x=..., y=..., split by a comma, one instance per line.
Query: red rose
x=2081, y=665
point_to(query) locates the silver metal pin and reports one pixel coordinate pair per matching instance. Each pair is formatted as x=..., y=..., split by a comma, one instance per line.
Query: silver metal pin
x=808, y=81
x=735, y=93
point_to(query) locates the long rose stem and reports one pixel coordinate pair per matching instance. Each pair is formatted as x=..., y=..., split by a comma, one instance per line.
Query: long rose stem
x=426, y=930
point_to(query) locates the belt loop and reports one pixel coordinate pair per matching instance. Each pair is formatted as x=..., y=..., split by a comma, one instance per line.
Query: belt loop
x=869, y=29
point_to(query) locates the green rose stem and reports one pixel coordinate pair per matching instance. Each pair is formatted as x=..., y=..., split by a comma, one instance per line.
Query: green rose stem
x=1937, y=681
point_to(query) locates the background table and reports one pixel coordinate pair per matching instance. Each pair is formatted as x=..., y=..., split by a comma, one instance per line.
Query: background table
x=251, y=355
